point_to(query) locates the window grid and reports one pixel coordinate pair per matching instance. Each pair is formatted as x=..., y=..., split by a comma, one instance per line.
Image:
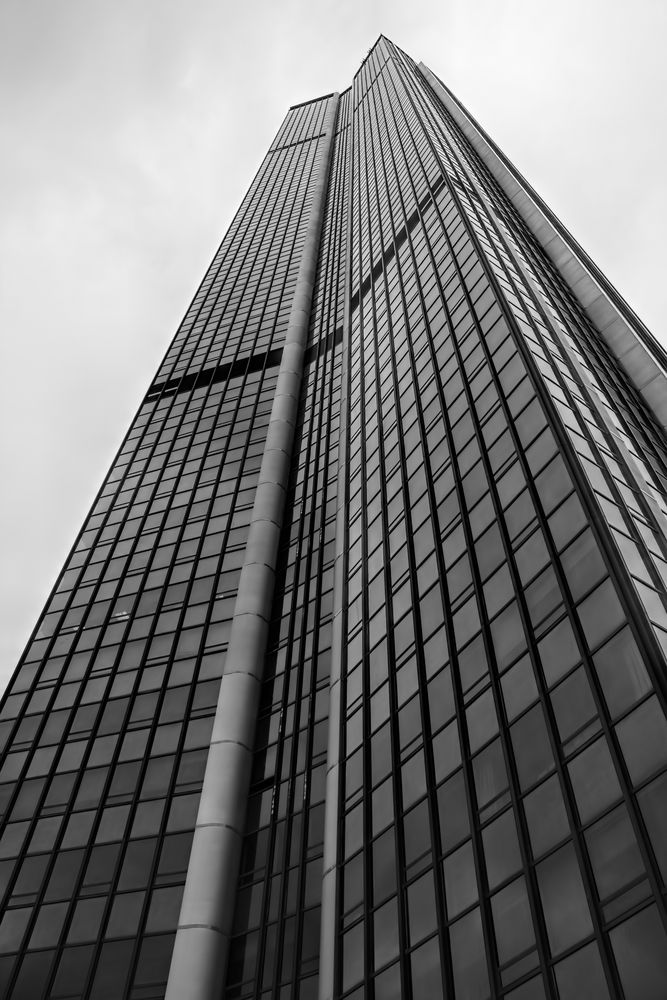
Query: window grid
x=516, y=404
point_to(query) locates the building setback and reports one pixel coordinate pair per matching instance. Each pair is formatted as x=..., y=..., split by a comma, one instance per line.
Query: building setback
x=354, y=683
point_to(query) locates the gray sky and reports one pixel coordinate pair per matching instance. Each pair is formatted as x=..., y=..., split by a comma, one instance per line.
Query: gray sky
x=131, y=130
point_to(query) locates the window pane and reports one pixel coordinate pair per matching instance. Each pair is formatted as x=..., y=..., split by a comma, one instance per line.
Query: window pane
x=471, y=980
x=385, y=930
x=581, y=975
x=388, y=984
x=583, y=564
x=481, y=720
x=353, y=956
x=125, y=914
x=460, y=880
x=532, y=990
x=72, y=971
x=640, y=949
x=86, y=921
x=112, y=969
x=594, y=780
x=512, y=920
x=417, y=835
x=413, y=776
x=384, y=866
x=600, y=613
x=614, y=852
x=490, y=774
x=64, y=875
x=532, y=750
x=643, y=737
x=622, y=672
x=453, y=811
x=519, y=687
x=501, y=849
x=563, y=900
x=154, y=960
x=421, y=908
x=508, y=636
x=426, y=974
x=573, y=704
x=33, y=975
x=164, y=909
x=13, y=928
x=558, y=651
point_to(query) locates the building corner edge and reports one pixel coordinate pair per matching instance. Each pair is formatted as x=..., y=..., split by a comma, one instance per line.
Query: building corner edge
x=635, y=349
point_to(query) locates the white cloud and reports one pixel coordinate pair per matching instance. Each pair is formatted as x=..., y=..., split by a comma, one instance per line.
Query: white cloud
x=132, y=129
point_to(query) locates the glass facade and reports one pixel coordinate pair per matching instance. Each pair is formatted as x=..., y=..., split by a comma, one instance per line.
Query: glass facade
x=107, y=722
x=458, y=767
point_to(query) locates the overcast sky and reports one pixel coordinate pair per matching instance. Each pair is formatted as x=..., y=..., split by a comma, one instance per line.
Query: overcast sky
x=131, y=130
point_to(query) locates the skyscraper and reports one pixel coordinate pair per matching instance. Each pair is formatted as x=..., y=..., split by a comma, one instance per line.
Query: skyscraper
x=354, y=683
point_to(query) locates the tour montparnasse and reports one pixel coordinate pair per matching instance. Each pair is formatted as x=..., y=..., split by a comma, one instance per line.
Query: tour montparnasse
x=354, y=682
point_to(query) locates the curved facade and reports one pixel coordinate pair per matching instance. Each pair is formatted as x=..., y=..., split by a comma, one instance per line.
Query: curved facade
x=400, y=481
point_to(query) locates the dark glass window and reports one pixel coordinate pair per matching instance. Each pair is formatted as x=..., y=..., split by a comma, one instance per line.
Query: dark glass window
x=33, y=975
x=426, y=974
x=501, y=849
x=573, y=704
x=417, y=835
x=508, y=636
x=385, y=930
x=643, y=739
x=490, y=775
x=563, y=900
x=546, y=816
x=384, y=866
x=583, y=565
x=421, y=907
x=12, y=928
x=600, y=613
x=519, y=687
x=582, y=975
x=532, y=750
x=64, y=875
x=125, y=915
x=512, y=920
x=471, y=980
x=353, y=956
x=86, y=921
x=112, y=969
x=594, y=780
x=614, y=852
x=453, y=811
x=622, y=672
x=640, y=950
x=460, y=880
x=137, y=864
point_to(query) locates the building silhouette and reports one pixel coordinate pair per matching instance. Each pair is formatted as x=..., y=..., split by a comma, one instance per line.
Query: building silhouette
x=353, y=684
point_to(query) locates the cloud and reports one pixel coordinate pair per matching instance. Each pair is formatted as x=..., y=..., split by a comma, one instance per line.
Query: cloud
x=131, y=131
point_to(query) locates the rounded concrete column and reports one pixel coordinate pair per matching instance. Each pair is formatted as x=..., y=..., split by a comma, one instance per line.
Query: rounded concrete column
x=326, y=981
x=199, y=960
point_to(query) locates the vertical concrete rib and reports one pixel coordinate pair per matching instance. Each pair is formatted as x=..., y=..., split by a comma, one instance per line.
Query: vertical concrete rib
x=199, y=960
x=326, y=982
